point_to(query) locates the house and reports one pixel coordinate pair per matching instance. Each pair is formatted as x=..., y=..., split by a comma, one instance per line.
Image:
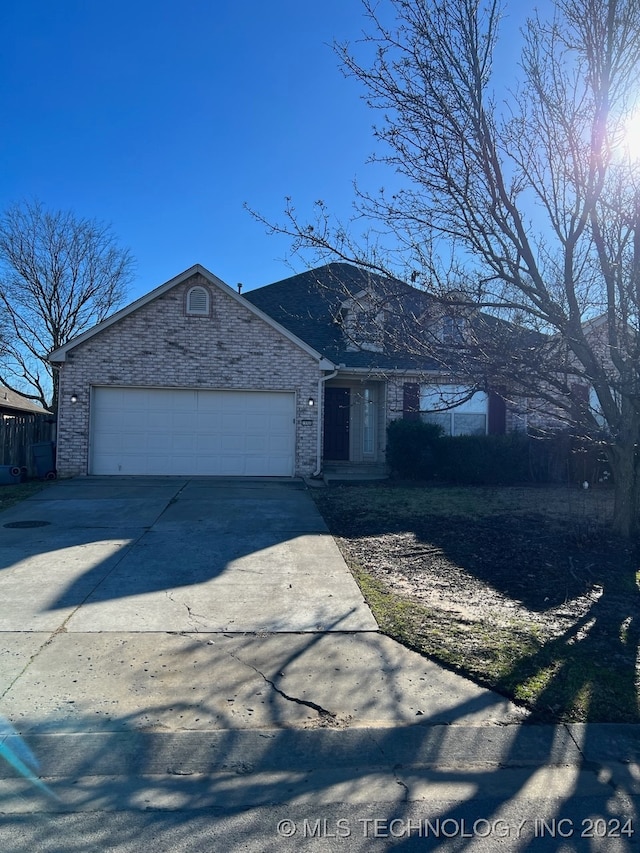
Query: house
x=373, y=330
x=196, y=379
x=13, y=404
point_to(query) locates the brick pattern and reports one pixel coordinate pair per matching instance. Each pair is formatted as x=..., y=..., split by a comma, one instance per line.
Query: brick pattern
x=159, y=345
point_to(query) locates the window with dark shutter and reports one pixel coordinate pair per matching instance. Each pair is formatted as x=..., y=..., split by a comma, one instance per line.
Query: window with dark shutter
x=411, y=401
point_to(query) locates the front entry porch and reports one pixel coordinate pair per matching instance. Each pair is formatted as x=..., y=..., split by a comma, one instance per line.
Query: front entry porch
x=354, y=428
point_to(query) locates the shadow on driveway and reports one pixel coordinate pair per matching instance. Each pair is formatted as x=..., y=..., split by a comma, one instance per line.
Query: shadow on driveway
x=240, y=555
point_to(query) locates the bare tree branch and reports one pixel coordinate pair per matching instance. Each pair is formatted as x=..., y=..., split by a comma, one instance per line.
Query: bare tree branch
x=521, y=199
x=59, y=275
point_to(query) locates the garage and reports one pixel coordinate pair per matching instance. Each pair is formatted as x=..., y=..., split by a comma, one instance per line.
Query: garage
x=181, y=431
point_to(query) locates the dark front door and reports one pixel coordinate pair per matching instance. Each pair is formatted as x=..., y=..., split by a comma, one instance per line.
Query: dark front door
x=337, y=402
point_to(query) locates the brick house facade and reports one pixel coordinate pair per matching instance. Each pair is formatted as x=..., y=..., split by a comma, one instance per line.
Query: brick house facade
x=280, y=367
x=155, y=343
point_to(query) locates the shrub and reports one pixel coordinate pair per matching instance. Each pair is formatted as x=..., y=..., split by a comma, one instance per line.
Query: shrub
x=411, y=448
x=560, y=457
x=483, y=460
x=419, y=451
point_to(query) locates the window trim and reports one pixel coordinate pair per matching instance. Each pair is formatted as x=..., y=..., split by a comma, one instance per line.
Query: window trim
x=449, y=410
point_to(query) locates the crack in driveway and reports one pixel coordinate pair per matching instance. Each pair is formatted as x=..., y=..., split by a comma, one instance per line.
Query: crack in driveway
x=323, y=712
x=194, y=618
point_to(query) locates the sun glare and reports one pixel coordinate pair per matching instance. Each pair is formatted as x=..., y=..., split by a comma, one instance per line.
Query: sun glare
x=631, y=142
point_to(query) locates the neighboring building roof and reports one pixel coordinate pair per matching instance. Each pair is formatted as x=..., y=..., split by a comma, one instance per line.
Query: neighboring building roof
x=310, y=303
x=11, y=401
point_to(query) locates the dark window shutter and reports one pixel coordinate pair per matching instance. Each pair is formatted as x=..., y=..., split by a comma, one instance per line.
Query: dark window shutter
x=411, y=401
x=580, y=400
x=497, y=414
x=580, y=392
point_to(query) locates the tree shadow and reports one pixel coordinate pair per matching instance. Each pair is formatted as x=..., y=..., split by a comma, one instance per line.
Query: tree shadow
x=524, y=557
x=142, y=777
x=594, y=659
x=202, y=543
x=421, y=786
x=573, y=571
x=194, y=774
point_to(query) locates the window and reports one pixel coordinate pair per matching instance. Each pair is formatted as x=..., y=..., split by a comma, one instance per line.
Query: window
x=453, y=330
x=368, y=422
x=364, y=329
x=363, y=322
x=198, y=301
x=452, y=408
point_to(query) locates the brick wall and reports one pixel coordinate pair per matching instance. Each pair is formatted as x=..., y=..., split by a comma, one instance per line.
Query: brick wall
x=159, y=345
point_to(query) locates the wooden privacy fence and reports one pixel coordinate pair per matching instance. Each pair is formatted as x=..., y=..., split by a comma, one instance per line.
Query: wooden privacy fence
x=17, y=434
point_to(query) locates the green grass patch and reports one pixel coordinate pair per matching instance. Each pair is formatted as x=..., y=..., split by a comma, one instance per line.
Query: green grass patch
x=475, y=650
x=14, y=493
x=555, y=681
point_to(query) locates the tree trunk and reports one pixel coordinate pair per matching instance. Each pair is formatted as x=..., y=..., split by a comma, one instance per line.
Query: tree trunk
x=623, y=460
x=55, y=391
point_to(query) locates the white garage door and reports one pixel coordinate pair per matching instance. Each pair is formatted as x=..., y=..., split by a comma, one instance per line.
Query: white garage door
x=180, y=431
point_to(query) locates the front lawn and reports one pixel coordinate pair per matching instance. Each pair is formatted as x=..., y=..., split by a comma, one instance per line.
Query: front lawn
x=521, y=589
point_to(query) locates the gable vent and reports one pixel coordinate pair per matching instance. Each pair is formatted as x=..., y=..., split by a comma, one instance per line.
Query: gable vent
x=198, y=301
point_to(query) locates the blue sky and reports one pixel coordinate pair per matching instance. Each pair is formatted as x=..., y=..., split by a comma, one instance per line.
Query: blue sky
x=164, y=117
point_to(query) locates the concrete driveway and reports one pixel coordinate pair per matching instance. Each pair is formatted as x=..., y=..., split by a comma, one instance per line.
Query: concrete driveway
x=185, y=656
x=197, y=603
x=174, y=555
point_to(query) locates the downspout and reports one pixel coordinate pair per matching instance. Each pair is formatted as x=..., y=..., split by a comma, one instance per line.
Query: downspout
x=321, y=382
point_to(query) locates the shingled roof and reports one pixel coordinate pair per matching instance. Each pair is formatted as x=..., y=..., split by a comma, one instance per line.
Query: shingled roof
x=309, y=304
x=14, y=403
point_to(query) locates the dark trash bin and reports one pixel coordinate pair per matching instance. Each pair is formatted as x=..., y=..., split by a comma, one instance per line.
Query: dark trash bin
x=10, y=474
x=44, y=459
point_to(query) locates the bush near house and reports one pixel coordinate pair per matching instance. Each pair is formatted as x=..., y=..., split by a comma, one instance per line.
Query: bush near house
x=412, y=448
x=563, y=457
x=419, y=451
x=483, y=460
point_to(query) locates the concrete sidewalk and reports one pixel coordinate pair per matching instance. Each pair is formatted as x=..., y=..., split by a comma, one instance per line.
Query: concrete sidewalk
x=198, y=648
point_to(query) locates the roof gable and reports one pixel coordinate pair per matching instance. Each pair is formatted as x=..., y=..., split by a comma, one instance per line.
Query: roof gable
x=60, y=354
x=408, y=325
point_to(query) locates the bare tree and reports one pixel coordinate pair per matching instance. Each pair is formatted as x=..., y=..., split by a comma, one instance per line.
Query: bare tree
x=525, y=200
x=59, y=275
